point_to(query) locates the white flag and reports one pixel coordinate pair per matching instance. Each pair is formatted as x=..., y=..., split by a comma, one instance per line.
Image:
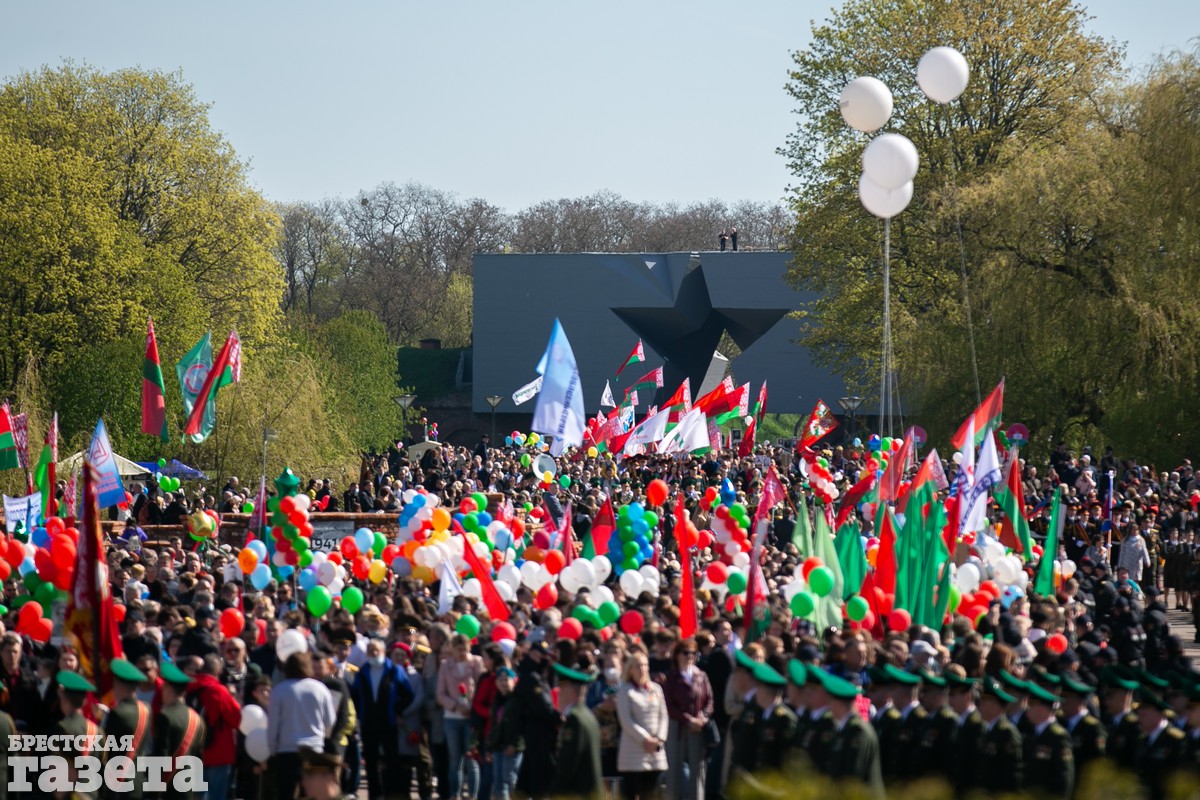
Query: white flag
x=450, y=587
x=528, y=391
x=650, y=430
x=559, y=411
x=987, y=475
x=690, y=434
x=607, y=400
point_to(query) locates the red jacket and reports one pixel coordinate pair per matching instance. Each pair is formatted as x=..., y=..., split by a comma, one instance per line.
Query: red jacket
x=222, y=716
x=485, y=694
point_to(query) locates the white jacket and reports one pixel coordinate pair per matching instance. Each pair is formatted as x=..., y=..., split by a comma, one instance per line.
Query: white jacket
x=643, y=715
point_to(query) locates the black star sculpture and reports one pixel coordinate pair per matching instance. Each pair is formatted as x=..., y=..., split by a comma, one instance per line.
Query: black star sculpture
x=686, y=334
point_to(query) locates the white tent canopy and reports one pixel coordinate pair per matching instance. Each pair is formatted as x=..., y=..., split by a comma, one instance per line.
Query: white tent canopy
x=125, y=467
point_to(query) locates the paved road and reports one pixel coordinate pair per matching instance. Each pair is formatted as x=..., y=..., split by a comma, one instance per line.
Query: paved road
x=1181, y=626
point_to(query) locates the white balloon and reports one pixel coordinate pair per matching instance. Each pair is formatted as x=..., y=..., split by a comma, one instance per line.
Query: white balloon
x=302, y=501
x=1005, y=573
x=968, y=577
x=408, y=495
x=336, y=587
x=942, y=74
x=529, y=574
x=327, y=573
x=253, y=719
x=650, y=573
x=890, y=160
x=866, y=104
x=732, y=549
x=510, y=575
x=631, y=583
x=1022, y=579
x=602, y=567
x=289, y=643
x=472, y=588
x=956, y=458
x=881, y=202
x=279, y=559
x=584, y=571
x=507, y=593
x=257, y=746
x=604, y=594
x=1068, y=568
x=569, y=581
x=741, y=560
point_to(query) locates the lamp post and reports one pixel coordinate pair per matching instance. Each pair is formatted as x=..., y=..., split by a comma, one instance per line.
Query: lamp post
x=850, y=405
x=493, y=400
x=405, y=402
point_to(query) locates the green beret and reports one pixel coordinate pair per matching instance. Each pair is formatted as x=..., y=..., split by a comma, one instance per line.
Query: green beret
x=994, y=689
x=956, y=682
x=173, y=674
x=1152, y=681
x=1012, y=683
x=1043, y=675
x=744, y=661
x=931, y=679
x=1072, y=686
x=797, y=672
x=1111, y=678
x=1147, y=697
x=1038, y=693
x=122, y=670
x=573, y=675
x=878, y=676
x=765, y=673
x=900, y=676
x=73, y=682
x=839, y=687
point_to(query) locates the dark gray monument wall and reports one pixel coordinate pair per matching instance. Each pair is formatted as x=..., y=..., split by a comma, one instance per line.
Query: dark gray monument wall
x=677, y=303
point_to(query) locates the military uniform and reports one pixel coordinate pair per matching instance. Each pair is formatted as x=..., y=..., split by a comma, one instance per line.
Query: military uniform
x=1089, y=740
x=1050, y=762
x=763, y=740
x=887, y=731
x=129, y=718
x=854, y=754
x=1000, y=764
x=578, y=772
x=178, y=730
x=968, y=742
x=906, y=760
x=1160, y=758
x=936, y=737
x=1124, y=736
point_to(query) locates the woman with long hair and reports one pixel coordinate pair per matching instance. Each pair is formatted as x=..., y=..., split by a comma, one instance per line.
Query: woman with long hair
x=642, y=711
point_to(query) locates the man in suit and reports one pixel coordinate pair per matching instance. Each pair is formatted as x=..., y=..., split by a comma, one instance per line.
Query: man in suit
x=999, y=764
x=854, y=752
x=1049, y=759
x=128, y=717
x=376, y=701
x=264, y=654
x=578, y=774
x=1163, y=749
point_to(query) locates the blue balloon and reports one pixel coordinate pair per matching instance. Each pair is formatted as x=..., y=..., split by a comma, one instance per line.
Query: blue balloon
x=285, y=571
x=503, y=539
x=365, y=539
x=1010, y=594
x=418, y=501
x=874, y=442
x=307, y=578
x=728, y=493
x=484, y=518
x=508, y=441
x=40, y=537
x=458, y=517
x=259, y=549
x=260, y=577
x=27, y=566
x=401, y=567
x=857, y=442
x=636, y=510
x=640, y=529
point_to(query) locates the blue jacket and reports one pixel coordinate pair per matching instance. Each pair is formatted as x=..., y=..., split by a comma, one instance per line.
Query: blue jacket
x=395, y=694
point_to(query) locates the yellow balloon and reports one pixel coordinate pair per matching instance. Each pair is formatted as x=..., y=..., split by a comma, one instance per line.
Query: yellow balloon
x=377, y=572
x=533, y=438
x=547, y=476
x=440, y=536
x=424, y=574
x=593, y=452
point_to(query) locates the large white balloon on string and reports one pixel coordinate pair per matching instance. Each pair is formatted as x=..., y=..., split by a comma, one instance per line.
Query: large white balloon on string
x=942, y=74
x=866, y=104
x=890, y=161
x=881, y=202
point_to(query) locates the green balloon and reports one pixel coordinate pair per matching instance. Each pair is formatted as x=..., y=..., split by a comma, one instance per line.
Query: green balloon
x=629, y=563
x=162, y=463
x=272, y=504
x=626, y=534
x=470, y=521
x=737, y=510
x=609, y=612
x=525, y=459
x=594, y=619
x=820, y=580
x=306, y=559
x=736, y=582
x=955, y=596
x=481, y=501
x=581, y=613
x=528, y=507
x=352, y=599
x=248, y=508
x=565, y=481
x=803, y=604
x=650, y=518
x=318, y=601
x=3, y=609
x=380, y=543
x=857, y=608
x=45, y=595
x=467, y=625
x=32, y=581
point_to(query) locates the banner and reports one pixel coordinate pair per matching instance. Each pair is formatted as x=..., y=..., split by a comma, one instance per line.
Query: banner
x=21, y=434
x=109, y=491
x=192, y=372
x=27, y=510
x=528, y=391
x=559, y=411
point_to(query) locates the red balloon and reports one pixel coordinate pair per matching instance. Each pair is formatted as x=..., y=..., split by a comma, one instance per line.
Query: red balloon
x=867, y=622
x=975, y=613
x=334, y=558
x=691, y=537
x=298, y=517
x=632, y=622
x=30, y=611
x=991, y=588
x=389, y=553
x=717, y=573
x=44, y=565
x=503, y=630
x=119, y=611
x=571, y=628
x=899, y=620
x=537, y=513
x=811, y=563
x=260, y=625
x=232, y=623
x=706, y=539
x=656, y=492
x=361, y=567
x=62, y=553
x=64, y=578
x=468, y=505
x=1056, y=643
x=541, y=540
x=348, y=547
x=15, y=553
x=40, y=631
x=5, y=570
x=287, y=505
x=546, y=596
x=55, y=525
x=555, y=561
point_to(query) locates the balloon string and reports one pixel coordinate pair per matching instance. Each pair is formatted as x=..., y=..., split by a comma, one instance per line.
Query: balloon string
x=885, y=399
x=962, y=255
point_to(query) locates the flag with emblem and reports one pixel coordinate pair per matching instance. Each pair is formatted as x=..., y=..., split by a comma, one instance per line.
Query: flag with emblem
x=820, y=422
x=225, y=370
x=636, y=357
x=648, y=383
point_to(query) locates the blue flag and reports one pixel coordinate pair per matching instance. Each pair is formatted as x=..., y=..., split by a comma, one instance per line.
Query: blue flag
x=559, y=411
x=109, y=490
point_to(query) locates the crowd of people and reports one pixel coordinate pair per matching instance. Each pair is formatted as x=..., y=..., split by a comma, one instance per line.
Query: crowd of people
x=392, y=698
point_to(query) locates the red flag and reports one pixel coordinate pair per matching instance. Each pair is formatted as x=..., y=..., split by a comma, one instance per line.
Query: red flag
x=716, y=401
x=746, y=446
x=885, y=559
x=680, y=402
x=225, y=370
x=988, y=414
x=889, y=485
x=820, y=422
x=497, y=608
x=772, y=495
x=90, y=619
x=687, y=592
x=568, y=538
x=852, y=497
x=154, y=402
x=638, y=355
x=602, y=527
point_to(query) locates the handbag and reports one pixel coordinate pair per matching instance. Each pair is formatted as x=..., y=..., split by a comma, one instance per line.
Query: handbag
x=712, y=735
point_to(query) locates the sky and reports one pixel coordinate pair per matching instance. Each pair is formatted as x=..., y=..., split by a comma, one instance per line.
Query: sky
x=513, y=102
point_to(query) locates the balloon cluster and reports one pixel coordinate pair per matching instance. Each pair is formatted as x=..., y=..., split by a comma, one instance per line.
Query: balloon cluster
x=630, y=543
x=46, y=564
x=821, y=481
x=811, y=580
x=731, y=528
x=290, y=532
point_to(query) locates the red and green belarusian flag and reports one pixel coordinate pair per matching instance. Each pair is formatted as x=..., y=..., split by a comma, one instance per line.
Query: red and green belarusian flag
x=154, y=401
x=637, y=356
x=225, y=370
x=1044, y=582
x=986, y=417
x=649, y=383
x=760, y=405
x=8, y=443
x=820, y=422
x=737, y=405
x=679, y=403
x=1014, y=530
x=43, y=474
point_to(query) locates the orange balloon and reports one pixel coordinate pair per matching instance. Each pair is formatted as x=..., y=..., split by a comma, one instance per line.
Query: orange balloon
x=534, y=554
x=408, y=548
x=872, y=555
x=441, y=519
x=247, y=560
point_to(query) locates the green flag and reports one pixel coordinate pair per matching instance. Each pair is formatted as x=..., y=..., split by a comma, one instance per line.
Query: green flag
x=192, y=371
x=936, y=568
x=802, y=534
x=829, y=608
x=910, y=551
x=1044, y=584
x=851, y=558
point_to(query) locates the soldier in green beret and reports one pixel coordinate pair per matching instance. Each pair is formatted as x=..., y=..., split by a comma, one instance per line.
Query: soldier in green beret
x=1163, y=749
x=1120, y=720
x=970, y=725
x=854, y=752
x=799, y=695
x=319, y=775
x=178, y=730
x=1088, y=736
x=901, y=762
x=1049, y=760
x=1192, y=730
x=130, y=717
x=73, y=689
x=938, y=734
x=1019, y=690
x=577, y=772
x=999, y=767
x=767, y=726
x=887, y=717
x=815, y=735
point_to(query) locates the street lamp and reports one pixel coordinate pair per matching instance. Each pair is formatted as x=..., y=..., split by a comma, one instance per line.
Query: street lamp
x=493, y=400
x=850, y=405
x=405, y=402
